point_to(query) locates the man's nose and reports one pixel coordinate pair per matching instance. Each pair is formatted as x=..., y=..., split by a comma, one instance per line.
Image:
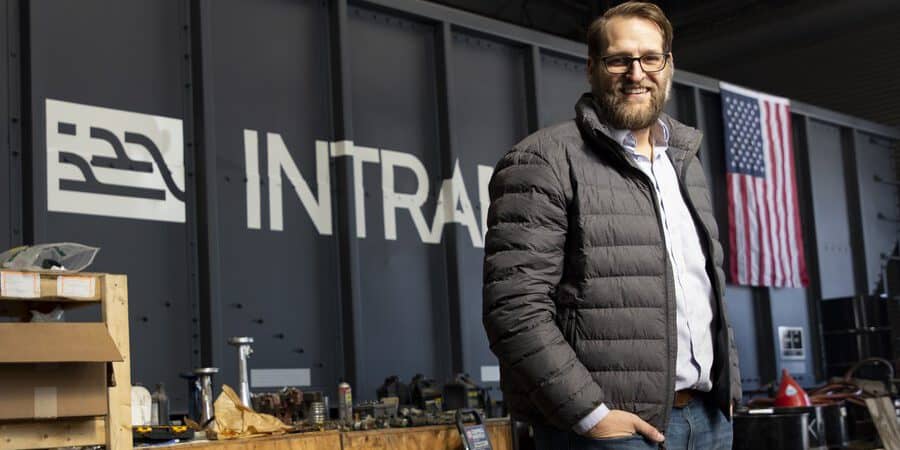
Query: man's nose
x=635, y=71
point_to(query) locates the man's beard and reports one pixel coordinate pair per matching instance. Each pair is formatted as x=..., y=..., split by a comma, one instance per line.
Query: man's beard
x=621, y=114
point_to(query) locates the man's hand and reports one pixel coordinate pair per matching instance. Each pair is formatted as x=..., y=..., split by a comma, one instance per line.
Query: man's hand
x=620, y=423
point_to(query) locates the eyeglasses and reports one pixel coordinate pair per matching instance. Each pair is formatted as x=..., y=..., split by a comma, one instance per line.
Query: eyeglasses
x=650, y=63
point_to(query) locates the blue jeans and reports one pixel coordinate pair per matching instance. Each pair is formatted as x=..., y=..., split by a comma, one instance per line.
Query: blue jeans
x=697, y=426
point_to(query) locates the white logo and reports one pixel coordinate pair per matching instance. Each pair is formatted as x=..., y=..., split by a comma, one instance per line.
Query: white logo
x=109, y=162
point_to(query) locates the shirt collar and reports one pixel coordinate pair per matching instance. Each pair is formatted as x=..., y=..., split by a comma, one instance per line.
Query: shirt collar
x=659, y=133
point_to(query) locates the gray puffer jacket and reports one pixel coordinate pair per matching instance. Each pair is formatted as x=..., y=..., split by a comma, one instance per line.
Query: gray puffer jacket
x=579, y=298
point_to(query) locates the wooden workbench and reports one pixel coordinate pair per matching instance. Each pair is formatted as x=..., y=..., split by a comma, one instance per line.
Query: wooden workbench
x=441, y=437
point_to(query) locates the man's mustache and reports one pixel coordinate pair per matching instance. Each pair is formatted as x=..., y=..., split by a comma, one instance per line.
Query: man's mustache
x=631, y=86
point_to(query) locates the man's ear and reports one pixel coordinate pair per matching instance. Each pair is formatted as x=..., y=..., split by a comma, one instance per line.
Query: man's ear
x=590, y=68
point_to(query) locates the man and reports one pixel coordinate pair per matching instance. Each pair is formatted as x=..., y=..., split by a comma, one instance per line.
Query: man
x=603, y=275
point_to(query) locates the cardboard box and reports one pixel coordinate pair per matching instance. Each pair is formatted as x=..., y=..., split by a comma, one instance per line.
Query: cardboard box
x=50, y=370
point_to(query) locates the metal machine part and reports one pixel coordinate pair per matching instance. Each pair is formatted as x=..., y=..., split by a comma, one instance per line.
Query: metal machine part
x=836, y=433
x=377, y=410
x=160, y=400
x=815, y=427
x=314, y=407
x=204, y=386
x=786, y=431
x=193, y=396
x=270, y=403
x=394, y=387
x=292, y=402
x=426, y=394
x=345, y=402
x=464, y=393
x=244, y=351
x=318, y=413
x=285, y=404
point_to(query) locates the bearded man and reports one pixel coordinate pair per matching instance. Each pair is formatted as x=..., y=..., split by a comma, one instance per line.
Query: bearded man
x=603, y=282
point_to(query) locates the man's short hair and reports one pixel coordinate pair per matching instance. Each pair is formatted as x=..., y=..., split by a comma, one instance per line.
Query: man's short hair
x=642, y=10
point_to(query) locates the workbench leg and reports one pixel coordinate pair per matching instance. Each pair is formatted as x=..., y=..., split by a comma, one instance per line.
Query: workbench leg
x=115, y=315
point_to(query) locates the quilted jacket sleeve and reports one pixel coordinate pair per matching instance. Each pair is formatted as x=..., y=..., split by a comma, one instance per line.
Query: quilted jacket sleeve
x=523, y=264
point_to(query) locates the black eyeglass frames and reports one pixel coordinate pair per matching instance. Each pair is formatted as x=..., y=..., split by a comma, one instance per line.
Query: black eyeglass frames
x=650, y=63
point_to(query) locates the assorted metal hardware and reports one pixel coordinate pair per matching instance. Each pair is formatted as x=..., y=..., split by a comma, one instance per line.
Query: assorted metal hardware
x=244, y=351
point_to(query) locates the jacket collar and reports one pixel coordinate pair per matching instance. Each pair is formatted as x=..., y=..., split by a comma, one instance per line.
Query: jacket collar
x=659, y=133
x=684, y=141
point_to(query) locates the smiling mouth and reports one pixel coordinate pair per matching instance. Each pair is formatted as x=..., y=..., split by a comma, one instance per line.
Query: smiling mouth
x=634, y=90
x=635, y=94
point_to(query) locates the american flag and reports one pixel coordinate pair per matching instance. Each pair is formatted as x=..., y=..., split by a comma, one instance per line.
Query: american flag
x=763, y=217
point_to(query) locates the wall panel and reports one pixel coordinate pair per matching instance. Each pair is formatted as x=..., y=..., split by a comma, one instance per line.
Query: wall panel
x=741, y=312
x=404, y=327
x=488, y=118
x=132, y=63
x=563, y=80
x=829, y=195
x=876, y=171
x=279, y=286
x=9, y=169
x=789, y=309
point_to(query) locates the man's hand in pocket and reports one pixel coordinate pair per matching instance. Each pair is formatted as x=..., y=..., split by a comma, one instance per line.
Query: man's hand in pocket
x=620, y=423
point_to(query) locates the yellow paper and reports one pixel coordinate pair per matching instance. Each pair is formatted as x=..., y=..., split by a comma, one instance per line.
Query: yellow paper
x=236, y=420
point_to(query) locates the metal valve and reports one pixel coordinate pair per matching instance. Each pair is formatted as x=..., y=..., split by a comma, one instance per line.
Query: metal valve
x=244, y=351
x=204, y=392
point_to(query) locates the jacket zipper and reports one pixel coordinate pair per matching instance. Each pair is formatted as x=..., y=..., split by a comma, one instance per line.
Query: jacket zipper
x=570, y=327
x=670, y=361
x=670, y=370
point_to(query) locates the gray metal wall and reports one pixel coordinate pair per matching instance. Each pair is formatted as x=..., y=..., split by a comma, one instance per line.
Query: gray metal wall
x=127, y=56
x=280, y=287
x=309, y=128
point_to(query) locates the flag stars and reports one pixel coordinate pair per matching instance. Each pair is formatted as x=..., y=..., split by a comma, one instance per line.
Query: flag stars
x=743, y=134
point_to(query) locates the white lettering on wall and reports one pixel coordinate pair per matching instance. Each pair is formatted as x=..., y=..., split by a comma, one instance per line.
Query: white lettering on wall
x=484, y=198
x=394, y=200
x=360, y=155
x=251, y=163
x=453, y=203
x=453, y=193
x=280, y=162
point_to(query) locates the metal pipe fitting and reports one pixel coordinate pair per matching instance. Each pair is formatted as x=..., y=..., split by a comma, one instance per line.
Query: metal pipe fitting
x=244, y=351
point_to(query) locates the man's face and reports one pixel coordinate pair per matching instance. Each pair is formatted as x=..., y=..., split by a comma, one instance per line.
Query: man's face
x=632, y=100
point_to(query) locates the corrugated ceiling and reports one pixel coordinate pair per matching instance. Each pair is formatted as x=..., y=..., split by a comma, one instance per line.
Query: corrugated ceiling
x=838, y=54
